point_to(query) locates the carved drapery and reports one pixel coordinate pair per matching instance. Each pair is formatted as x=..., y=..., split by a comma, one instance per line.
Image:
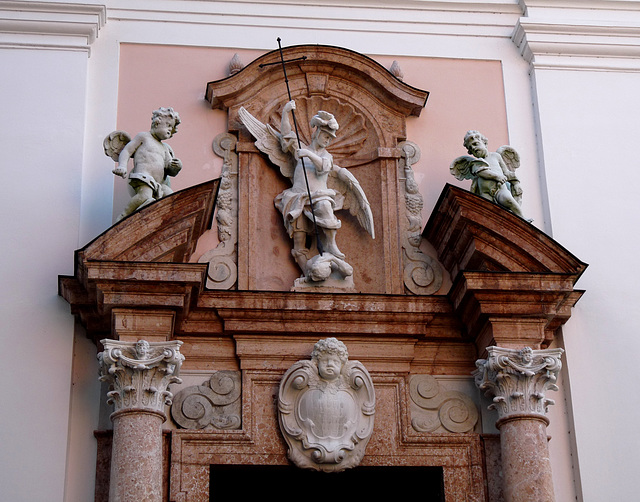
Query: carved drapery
x=512, y=285
x=371, y=106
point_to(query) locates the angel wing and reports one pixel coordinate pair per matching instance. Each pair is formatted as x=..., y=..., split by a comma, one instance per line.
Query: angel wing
x=268, y=142
x=114, y=143
x=355, y=200
x=510, y=156
x=462, y=167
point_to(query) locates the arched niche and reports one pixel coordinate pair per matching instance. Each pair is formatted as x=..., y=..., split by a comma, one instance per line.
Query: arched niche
x=371, y=106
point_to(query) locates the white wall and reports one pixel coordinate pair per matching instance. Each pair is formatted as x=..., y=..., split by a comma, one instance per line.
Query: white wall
x=41, y=134
x=588, y=139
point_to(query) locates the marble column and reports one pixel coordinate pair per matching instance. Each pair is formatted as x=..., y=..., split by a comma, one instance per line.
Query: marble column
x=139, y=374
x=518, y=380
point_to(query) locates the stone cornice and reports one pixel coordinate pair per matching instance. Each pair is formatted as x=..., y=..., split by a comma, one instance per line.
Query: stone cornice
x=50, y=25
x=572, y=35
x=441, y=18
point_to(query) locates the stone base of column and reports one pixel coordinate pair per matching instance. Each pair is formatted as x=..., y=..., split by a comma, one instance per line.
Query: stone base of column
x=136, y=458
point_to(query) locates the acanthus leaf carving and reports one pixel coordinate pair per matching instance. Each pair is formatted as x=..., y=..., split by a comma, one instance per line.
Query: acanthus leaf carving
x=518, y=379
x=140, y=373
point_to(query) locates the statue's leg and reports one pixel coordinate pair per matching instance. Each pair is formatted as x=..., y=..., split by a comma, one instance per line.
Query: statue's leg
x=144, y=194
x=300, y=252
x=506, y=200
x=329, y=225
x=329, y=245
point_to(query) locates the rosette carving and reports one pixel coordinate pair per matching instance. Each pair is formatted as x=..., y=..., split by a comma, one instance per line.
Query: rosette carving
x=214, y=404
x=519, y=379
x=435, y=409
x=140, y=373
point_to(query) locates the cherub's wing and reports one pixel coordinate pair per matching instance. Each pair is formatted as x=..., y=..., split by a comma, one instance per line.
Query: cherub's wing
x=114, y=143
x=355, y=200
x=461, y=167
x=268, y=142
x=510, y=156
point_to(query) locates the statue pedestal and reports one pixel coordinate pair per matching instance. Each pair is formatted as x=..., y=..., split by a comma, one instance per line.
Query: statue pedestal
x=331, y=285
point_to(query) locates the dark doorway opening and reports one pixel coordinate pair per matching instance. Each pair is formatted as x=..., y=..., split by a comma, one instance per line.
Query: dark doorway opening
x=285, y=482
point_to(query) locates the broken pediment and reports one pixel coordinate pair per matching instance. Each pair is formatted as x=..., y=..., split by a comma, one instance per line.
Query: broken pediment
x=155, y=258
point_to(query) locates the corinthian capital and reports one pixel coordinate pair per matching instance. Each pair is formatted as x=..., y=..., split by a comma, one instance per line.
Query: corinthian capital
x=518, y=380
x=140, y=373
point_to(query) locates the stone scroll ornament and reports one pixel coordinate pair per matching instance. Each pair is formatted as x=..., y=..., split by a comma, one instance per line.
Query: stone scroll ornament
x=493, y=174
x=319, y=188
x=214, y=404
x=422, y=274
x=153, y=160
x=434, y=409
x=326, y=409
x=140, y=373
x=222, y=272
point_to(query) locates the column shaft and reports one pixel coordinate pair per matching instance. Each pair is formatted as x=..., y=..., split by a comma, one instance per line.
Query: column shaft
x=518, y=381
x=139, y=374
x=525, y=461
x=136, y=459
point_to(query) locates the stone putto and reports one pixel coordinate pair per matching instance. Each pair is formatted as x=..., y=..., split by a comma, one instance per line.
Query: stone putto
x=153, y=160
x=319, y=188
x=493, y=174
x=326, y=408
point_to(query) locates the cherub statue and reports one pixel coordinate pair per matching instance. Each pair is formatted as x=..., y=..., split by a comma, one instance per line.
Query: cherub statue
x=330, y=188
x=493, y=173
x=153, y=160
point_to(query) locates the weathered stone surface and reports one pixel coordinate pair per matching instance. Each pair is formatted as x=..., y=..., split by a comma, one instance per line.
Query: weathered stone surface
x=214, y=404
x=434, y=409
x=139, y=374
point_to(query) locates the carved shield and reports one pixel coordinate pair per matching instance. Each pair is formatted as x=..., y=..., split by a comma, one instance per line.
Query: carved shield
x=326, y=424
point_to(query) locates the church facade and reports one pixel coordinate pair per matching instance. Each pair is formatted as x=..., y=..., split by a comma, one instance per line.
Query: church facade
x=413, y=192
